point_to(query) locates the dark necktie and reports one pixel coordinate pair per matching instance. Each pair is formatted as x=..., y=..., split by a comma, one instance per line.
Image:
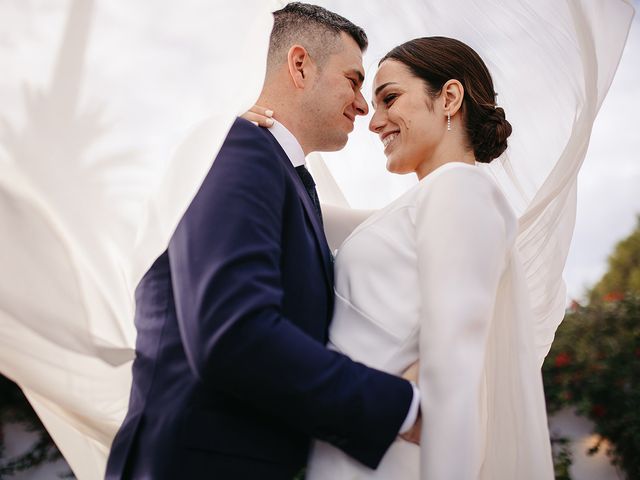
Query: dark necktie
x=310, y=185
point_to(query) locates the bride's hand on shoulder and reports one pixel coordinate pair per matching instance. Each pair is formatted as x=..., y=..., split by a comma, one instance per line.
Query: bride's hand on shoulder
x=261, y=116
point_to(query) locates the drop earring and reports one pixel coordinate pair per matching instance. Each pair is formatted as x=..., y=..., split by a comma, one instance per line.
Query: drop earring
x=448, y=122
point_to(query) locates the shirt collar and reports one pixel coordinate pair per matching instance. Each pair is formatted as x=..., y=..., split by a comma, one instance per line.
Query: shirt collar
x=288, y=142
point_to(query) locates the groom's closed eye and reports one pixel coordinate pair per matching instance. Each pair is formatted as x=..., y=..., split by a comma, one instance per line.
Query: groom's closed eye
x=356, y=78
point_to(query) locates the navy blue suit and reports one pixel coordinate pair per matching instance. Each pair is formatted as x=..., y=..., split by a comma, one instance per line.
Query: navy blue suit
x=231, y=378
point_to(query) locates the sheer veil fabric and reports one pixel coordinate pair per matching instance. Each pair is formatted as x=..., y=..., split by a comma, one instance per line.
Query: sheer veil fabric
x=103, y=145
x=91, y=187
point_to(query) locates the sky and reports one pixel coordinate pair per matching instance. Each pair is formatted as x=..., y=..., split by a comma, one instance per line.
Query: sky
x=608, y=193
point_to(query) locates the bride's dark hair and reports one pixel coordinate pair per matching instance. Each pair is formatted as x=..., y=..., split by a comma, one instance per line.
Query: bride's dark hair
x=437, y=60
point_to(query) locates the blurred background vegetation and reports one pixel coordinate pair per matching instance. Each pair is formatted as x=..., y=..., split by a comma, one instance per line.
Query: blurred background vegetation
x=15, y=409
x=593, y=368
x=594, y=363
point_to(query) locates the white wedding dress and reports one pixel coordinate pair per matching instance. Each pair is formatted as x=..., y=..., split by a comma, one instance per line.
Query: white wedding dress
x=96, y=169
x=436, y=277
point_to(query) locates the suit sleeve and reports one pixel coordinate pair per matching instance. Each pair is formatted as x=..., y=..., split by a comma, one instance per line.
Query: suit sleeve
x=225, y=262
x=462, y=238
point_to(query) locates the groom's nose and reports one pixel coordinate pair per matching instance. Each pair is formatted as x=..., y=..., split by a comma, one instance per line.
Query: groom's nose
x=360, y=104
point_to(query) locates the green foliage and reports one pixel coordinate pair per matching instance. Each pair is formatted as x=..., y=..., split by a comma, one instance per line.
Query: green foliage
x=594, y=363
x=624, y=270
x=562, y=458
x=594, y=367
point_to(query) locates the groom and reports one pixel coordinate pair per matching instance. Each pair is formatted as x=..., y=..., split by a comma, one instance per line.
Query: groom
x=232, y=379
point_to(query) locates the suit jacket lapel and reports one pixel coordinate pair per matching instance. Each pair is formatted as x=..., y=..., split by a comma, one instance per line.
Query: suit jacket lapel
x=323, y=246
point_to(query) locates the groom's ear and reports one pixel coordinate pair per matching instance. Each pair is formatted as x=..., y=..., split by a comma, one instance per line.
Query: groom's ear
x=300, y=65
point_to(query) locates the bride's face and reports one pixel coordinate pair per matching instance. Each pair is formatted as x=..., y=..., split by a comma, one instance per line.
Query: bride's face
x=409, y=123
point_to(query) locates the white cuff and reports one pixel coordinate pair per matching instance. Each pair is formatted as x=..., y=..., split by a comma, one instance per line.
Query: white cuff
x=412, y=414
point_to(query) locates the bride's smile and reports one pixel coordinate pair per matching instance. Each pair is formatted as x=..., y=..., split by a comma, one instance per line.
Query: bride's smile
x=388, y=138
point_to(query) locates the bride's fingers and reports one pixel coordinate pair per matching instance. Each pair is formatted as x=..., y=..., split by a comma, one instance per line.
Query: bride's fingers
x=257, y=118
x=264, y=111
x=259, y=115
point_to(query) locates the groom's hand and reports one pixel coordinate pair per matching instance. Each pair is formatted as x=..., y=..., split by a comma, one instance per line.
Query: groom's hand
x=413, y=435
x=412, y=372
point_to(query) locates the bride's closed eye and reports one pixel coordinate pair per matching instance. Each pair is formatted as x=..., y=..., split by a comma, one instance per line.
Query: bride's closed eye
x=389, y=99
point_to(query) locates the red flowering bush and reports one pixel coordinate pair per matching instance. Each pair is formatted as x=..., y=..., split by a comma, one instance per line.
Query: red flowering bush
x=562, y=360
x=613, y=297
x=594, y=368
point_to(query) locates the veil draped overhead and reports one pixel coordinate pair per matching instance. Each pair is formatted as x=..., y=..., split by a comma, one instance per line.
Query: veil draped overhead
x=99, y=158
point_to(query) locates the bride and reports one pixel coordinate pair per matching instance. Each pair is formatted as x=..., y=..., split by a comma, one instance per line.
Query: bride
x=435, y=276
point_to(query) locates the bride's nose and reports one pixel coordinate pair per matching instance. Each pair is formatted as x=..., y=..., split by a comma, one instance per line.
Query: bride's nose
x=377, y=122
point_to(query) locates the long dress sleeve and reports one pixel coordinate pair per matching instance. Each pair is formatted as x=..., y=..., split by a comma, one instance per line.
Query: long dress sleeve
x=464, y=232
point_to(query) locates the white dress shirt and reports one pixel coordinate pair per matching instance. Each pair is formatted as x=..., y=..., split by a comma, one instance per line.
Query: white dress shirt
x=289, y=143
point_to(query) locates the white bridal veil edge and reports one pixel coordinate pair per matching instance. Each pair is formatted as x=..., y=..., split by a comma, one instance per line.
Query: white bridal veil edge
x=99, y=95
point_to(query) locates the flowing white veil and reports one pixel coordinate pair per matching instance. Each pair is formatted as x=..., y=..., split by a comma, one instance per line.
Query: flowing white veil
x=95, y=172
x=90, y=191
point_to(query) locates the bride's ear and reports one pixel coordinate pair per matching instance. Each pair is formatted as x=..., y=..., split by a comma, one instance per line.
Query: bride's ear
x=452, y=96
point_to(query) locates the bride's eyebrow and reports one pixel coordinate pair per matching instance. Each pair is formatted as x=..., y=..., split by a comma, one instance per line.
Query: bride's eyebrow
x=378, y=90
x=381, y=87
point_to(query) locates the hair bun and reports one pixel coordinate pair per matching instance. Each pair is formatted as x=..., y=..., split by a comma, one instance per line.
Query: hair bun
x=489, y=138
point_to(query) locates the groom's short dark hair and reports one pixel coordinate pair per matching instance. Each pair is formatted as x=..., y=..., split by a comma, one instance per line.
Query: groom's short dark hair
x=315, y=28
